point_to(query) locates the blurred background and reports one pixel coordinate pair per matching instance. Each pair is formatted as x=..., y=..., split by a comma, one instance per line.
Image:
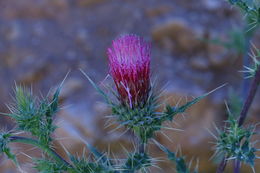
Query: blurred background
x=41, y=40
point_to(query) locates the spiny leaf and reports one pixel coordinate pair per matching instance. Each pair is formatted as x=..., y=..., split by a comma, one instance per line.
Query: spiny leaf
x=55, y=98
x=183, y=108
x=96, y=87
x=171, y=111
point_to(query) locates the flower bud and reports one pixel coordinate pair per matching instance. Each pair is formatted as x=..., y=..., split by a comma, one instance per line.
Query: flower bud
x=129, y=65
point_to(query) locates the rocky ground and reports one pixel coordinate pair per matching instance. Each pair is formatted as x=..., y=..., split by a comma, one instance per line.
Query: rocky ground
x=41, y=40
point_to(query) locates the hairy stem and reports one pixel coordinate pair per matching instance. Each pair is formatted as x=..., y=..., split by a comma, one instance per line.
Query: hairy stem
x=47, y=150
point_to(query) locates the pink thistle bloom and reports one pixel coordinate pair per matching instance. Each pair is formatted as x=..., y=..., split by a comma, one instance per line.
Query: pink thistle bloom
x=129, y=65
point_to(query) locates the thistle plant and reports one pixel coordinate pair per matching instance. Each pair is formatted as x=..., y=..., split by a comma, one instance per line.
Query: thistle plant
x=234, y=142
x=129, y=62
x=135, y=105
x=129, y=65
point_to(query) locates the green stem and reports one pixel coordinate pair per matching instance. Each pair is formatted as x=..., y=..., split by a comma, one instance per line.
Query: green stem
x=46, y=149
x=141, y=147
x=140, y=144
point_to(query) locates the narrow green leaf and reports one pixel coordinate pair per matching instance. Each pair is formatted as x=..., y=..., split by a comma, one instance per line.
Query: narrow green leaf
x=183, y=108
x=171, y=111
x=55, y=98
x=96, y=87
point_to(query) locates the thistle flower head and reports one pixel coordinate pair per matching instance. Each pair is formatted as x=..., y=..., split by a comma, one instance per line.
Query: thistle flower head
x=129, y=65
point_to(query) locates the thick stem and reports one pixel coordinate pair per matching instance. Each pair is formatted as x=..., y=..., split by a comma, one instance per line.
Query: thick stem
x=47, y=150
x=141, y=147
x=247, y=105
x=250, y=97
x=237, y=166
x=246, y=82
x=222, y=165
x=139, y=143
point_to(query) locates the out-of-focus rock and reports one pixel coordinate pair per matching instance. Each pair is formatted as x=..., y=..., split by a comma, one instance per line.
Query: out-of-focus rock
x=72, y=126
x=71, y=86
x=212, y=4
x=13, y=32
x=182, y=36
x=34, y=73
x=157, y=11
x=8, y=60
x=33, y=8
x=85, y=3
x=199, y=63
x=220, y=57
